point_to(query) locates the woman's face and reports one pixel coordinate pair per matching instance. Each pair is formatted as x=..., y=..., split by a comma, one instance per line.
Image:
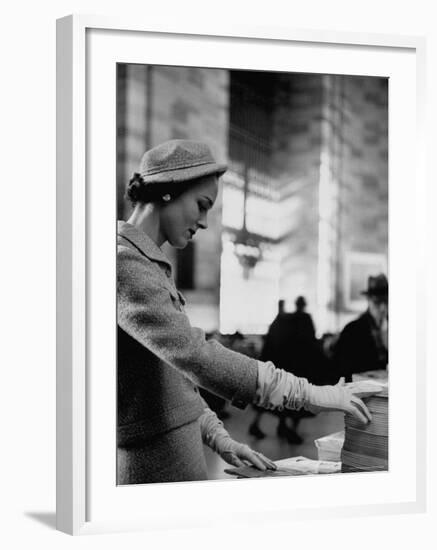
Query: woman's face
x=183, y=216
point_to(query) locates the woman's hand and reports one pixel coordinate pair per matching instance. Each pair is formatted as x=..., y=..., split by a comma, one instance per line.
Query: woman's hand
x=239, y=454
x=218, y=439
x=341, y=397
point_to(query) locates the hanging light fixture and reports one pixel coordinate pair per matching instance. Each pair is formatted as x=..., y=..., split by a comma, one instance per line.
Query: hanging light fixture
x=247, y=247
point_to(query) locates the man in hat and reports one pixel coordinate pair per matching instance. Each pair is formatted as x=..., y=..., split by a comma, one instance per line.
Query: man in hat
x=362, y=345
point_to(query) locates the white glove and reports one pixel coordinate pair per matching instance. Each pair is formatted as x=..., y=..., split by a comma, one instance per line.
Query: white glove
x=218, y=439
x=337, y=398
x=278, y=389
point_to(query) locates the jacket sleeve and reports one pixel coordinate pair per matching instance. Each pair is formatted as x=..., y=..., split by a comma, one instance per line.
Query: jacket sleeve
x=147, y=312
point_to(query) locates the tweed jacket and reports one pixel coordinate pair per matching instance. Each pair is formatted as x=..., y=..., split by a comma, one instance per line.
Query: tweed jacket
x=161, y=357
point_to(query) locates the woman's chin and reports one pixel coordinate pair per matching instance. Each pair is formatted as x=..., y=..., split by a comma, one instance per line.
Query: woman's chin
x=180, y=243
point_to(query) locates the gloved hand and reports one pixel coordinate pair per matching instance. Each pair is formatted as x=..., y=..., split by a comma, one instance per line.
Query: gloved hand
x=278, y=389
x=337, y=398
x=238, y=454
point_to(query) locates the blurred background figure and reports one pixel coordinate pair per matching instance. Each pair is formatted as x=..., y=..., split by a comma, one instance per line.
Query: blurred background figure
x=290, y=340
x=363, y=343
x=291, y=345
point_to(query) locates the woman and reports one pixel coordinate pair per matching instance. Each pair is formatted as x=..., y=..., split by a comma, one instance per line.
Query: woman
x=162, y=359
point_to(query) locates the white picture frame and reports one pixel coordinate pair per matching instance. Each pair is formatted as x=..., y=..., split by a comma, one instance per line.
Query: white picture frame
x=80, y=422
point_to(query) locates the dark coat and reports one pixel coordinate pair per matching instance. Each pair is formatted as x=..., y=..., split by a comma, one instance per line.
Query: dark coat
x=290, y=343
x=360, y=348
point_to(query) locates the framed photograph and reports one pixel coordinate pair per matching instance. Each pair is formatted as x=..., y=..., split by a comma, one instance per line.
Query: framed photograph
x=318, y=133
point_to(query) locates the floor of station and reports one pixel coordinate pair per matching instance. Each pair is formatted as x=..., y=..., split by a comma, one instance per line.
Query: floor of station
x=272, y=446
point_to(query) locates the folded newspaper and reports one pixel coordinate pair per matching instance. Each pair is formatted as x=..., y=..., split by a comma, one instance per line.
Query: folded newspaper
x=294, y=466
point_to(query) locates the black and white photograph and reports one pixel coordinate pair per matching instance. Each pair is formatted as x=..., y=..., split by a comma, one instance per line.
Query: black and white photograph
x=219, y=261
x=252, y=274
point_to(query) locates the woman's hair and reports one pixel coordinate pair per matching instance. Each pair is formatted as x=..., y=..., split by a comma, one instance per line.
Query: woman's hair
x=138, y=191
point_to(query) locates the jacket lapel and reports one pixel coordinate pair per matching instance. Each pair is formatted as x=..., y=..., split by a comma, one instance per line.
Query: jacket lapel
x=142, y=242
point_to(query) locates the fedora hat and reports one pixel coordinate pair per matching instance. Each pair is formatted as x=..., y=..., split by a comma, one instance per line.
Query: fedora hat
x=377, y=286
x=179, y=160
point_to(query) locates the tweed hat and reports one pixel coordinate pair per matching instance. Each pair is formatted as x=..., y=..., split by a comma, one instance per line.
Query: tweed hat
x=179, y=160
x=377, y=286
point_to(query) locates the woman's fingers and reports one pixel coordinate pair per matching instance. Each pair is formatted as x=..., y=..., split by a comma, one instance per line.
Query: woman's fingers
x=360, y=404
x=239, y=458
x=246, y=453
x=232, y=458
x=359, y=410
x=243, y=454
x=269, y=464
x=357, y=414
x=256, y=459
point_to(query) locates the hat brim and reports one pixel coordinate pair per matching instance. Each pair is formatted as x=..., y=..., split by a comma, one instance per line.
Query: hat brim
x=186, y=174
x=380, y=293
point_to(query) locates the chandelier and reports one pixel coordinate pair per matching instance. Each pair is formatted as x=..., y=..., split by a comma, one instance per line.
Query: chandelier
x=247, y=246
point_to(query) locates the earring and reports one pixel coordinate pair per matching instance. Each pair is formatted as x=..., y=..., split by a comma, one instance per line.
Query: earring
x=166, y=197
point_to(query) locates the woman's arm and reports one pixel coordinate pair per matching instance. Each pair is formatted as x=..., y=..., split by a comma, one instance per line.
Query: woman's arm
x=149, y=314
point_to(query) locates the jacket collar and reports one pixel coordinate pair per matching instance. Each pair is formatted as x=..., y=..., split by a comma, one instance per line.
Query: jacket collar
x=141, y=241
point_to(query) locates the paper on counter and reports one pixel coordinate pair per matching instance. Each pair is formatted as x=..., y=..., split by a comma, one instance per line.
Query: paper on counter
x=329, y=446
x=293, y=466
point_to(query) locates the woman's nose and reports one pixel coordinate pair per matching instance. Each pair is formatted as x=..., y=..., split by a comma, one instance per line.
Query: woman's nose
x=203, y=223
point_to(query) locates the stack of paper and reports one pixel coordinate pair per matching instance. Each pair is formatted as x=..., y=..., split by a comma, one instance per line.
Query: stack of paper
x=294, y=466
x=366, y=446
x=379, y=375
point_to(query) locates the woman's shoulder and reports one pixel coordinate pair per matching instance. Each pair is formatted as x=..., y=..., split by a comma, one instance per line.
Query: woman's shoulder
x=126, y=249
x=129, y=258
